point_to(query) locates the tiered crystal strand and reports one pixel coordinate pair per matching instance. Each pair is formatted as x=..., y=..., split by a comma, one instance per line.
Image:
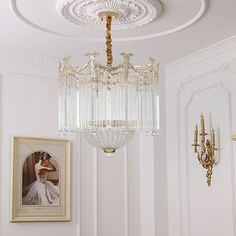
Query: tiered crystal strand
x=67, y=99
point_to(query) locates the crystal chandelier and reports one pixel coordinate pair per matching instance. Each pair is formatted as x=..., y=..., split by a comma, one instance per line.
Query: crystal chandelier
x=108, y=104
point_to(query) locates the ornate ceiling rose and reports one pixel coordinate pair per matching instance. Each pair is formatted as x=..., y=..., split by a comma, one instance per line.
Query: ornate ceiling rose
x=173, y=17
x=132, y=13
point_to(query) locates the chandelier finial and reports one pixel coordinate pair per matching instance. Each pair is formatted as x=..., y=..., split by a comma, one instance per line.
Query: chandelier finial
x=126, y=57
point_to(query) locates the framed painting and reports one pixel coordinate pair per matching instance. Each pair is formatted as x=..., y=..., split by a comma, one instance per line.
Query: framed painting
x=40, y=184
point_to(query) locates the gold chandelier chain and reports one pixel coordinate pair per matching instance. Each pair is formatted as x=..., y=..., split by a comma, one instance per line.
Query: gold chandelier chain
x=109, y=41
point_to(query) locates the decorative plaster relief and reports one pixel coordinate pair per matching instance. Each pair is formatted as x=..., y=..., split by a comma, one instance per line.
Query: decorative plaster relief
x=136, y=13
x=132, y=13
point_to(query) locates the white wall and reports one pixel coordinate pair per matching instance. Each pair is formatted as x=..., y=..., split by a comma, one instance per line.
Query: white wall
x=203, y=82
x=117, y=196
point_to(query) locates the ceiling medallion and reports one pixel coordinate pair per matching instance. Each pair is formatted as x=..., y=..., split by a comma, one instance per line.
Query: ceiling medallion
x=22, y=13
x=132, y=13
x=108, y=104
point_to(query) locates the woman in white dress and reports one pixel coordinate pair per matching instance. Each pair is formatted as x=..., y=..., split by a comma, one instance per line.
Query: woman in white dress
x=42, y=191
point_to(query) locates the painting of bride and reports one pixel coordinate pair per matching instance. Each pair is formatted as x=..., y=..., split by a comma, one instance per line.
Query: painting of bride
x=40, y=180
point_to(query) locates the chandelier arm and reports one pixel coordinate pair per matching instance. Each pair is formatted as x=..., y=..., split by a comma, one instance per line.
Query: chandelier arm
x=81, y=69
x=109, y=40
x=143, y=70
x=140, y=71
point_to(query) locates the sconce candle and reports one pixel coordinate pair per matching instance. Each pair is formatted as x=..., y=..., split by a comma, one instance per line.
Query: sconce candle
x=196, y=135
x=202, y=125
x=213, y=137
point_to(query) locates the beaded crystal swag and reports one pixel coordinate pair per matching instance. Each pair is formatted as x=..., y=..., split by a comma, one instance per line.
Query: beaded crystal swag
x=108, y=104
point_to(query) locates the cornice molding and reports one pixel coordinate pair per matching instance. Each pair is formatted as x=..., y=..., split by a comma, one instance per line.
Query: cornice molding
x=202, y=55
x=14, y=60
x=11, y=65
x=18, y=75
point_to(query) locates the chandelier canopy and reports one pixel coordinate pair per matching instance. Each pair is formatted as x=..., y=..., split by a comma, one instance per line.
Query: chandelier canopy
x=108, y=104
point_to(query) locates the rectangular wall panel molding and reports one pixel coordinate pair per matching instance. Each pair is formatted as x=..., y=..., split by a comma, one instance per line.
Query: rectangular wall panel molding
x=204, y=83
x=147, y=192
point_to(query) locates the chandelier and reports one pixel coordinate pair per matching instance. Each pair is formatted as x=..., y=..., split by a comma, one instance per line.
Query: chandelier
x=108, y=104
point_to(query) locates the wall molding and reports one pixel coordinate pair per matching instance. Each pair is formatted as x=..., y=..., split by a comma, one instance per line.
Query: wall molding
x=18, y=75
x=14, y=60
x=183, y=223
x=171, y=71
x=202, y=55
x=126, y=193
x=17, y=65
x=187, y=145
x=95, y=191
x=229, y=65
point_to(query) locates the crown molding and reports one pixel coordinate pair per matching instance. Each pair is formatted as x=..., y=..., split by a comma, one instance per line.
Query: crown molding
x=196, y=18
x=201, y=55
x=19, y=75
x=11, y=65
x=14, y=60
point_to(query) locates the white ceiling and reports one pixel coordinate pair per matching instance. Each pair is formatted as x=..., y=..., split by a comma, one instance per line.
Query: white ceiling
x=34, y=30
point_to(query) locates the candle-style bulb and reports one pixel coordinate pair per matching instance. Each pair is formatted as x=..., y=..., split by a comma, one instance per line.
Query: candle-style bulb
x=202, y=125
x=196, y=135
x=213, y=137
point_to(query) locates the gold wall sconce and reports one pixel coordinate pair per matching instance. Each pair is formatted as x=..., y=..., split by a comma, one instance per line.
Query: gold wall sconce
x=206, y=149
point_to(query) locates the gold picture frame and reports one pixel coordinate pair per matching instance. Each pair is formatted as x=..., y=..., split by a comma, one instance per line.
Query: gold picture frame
x=40, y=179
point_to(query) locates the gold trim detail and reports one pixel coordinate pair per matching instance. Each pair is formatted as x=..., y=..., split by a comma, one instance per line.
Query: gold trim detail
x=109, y=40
x=109, y=150
x=207, y=149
